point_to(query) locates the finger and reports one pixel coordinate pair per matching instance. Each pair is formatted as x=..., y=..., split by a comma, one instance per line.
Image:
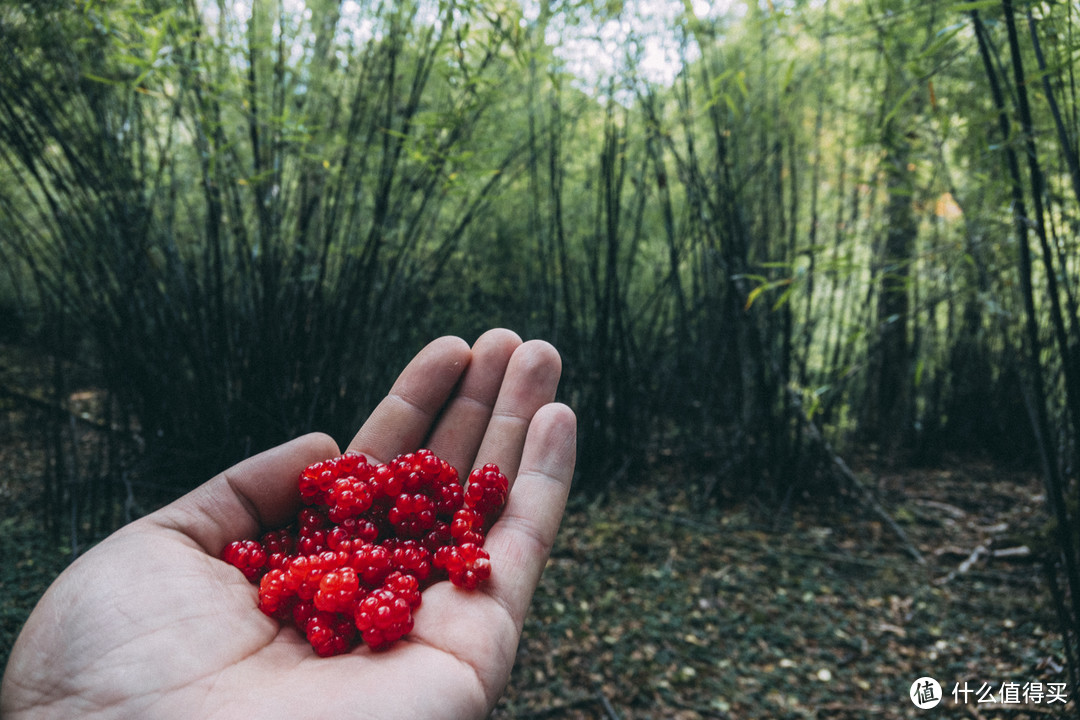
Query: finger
x=532, y=377
x=251, y=496
x=460, y=429
x=520, y=541
x=401, y=422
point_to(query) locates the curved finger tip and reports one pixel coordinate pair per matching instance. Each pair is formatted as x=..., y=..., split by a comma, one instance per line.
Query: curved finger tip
x=448, y=342
x=538, y=362
x=560, y=415
x=552, y=440
x=450, y=350
x=497, y=337
x=541, y=351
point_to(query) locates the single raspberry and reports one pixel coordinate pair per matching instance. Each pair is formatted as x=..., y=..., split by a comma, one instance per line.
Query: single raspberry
x=404, y=586
x=487, y=490
x=448, y=495
x=311, y=533
x=385, y=483
x=413, y=514
x=302, y=610
x=280, y=547
x=428, y=464
x=437, y=536
x=358, y=529
x=439, y=480
x=349, y=497
x=312, y=543
x=467, y=565
x=383, y=617
x=310, y=519
x=330, y=633
x=338, y=590
x=316, y=480
x=247, y=555
x=353, y=463
x=409, y=557
x=467, y=527
x=407, y=471
x=275, y=598
x=372, y=563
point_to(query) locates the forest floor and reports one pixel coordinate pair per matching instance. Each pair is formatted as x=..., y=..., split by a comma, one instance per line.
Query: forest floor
x=662, y=604
x=671, y=607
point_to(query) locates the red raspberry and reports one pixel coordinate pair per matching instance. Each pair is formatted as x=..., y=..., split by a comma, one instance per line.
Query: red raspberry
x=437, y=536
x=467, y=527
x=407, y=470
x=412, y=515
x=359, y=529
x=383, y=617
x=280, y=547
x=368, y=541
x=311, y=519
x=275, y=598
x=338, y=590
x=247, y=555
x=448, y=495
x=428, y=464
x=440, y=482
x=330, y=633
x=311, y=535
x=410, y=557
x=349, y=497
x=385, y=483
x=405, y=586
x=486, y=492
x=316, y=480
x=312, y=543
x=304, y=573
x=353, y=463
x=302, y=610
x=467, y=565
x=371, y=562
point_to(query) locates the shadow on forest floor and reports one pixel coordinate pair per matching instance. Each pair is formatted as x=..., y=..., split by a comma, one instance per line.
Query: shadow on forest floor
x=656, y=605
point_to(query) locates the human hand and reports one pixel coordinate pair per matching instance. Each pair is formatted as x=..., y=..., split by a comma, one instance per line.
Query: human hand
x=151, y=624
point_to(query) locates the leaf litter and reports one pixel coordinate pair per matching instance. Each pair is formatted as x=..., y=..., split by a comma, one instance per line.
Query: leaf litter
x=656, y=604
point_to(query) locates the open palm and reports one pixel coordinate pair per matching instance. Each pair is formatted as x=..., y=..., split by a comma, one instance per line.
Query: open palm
x=150, y=624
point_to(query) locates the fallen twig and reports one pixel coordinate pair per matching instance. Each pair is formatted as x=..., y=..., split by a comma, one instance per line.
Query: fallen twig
x=977, y=554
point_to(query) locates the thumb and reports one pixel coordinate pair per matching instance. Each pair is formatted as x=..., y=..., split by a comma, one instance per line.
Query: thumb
x=253, y=495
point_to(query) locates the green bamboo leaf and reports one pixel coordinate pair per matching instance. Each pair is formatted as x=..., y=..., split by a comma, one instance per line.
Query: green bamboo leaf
x=753, y=295
x=100, y=79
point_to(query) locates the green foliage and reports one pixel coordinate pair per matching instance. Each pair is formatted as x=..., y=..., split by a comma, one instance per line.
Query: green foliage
x=242, y=216
x=247, y=220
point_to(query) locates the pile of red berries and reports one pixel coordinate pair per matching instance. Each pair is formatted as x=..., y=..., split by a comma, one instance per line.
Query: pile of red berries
x=369, y=540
